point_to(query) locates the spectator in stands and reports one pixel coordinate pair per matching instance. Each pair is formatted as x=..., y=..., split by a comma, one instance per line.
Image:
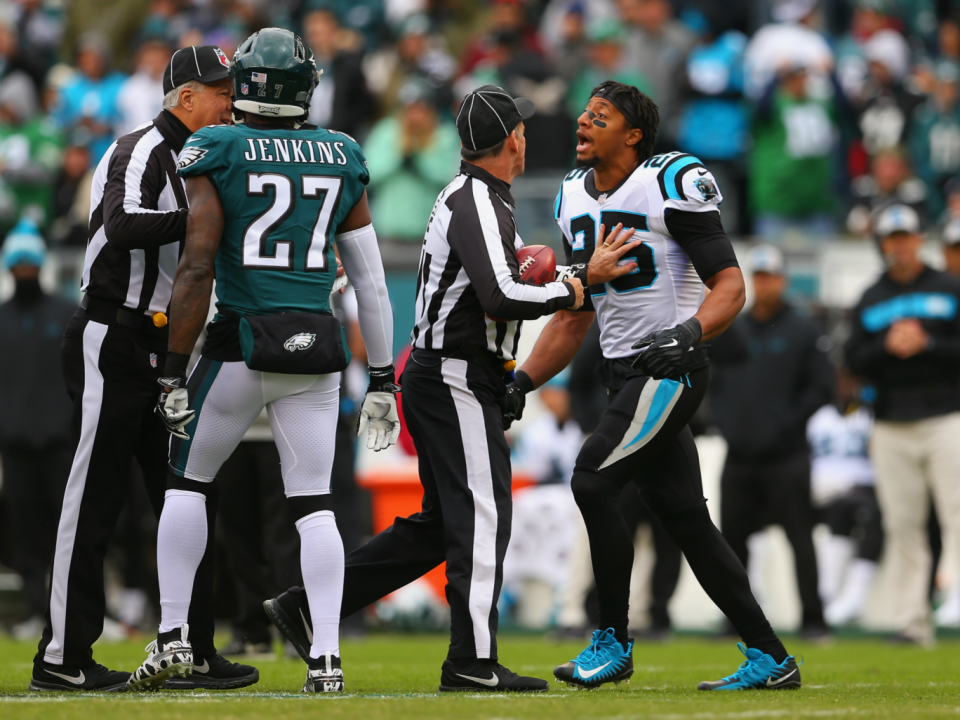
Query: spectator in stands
x=90, y=99
x=507, y=18
x=17, y=56
x=935, y=138
x=412, y=155
x=657, y=45
x=35, y=443
x=771, y=373
x=951, y=248
x=417, y=54
x=606, y=62
x=115, y=21
x=887, y=105
x=905, y=340
x=714, y=123
x=141, y=94
x=869, y=17
x=791, y=159
x=569, y=50
x=890, y=180
x=792, y=40
x=341, y=100
x=71, y=193
x=30, y=151
x=842, y=486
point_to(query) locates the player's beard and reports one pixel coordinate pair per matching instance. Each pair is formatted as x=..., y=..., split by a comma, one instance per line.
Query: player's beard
x=588, y=163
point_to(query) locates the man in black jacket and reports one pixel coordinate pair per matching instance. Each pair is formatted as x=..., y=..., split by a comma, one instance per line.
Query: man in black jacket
x=905, y=339
x=771, y=374
x=35, y=423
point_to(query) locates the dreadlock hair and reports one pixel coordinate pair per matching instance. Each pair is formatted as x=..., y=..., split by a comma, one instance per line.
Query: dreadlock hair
x=638, y=109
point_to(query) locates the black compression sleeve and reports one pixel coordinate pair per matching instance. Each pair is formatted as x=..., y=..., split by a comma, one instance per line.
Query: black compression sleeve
x=702, y=236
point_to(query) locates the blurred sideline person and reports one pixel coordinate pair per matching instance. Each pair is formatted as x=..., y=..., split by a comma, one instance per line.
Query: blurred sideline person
x=112, y=355
x=771, y=374
x=34, y=445
x=905, y=341
x=951, y=248
x=254, y=188
x=842, y=487
x=469, y=308
x=667, y=206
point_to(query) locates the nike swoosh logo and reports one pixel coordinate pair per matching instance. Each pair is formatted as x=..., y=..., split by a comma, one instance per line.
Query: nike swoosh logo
x=670, y=344
x=774, y=684
x=701, y=172
x=75, y=680
x=492, y=682
x=306, y=627
x=587, y=674
x=205, y=668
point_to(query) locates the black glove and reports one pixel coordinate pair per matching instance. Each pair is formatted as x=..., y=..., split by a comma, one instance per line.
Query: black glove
x=513, y=402
x=173, y=407
x=666, y=349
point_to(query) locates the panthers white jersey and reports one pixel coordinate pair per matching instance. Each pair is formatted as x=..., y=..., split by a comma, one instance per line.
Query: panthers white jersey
x=665, y=289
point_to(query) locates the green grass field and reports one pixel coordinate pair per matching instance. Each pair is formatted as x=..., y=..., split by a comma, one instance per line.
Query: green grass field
x=396, y=676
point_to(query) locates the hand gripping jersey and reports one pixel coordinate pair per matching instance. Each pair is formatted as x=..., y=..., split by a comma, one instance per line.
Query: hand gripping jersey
x=284, y=192
x=665, y=289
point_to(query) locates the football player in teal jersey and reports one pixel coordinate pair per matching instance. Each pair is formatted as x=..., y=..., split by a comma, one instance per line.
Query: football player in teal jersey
x=269, y=197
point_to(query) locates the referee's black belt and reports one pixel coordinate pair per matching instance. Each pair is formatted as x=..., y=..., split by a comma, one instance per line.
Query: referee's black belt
x=108, y=312
x=432, y=358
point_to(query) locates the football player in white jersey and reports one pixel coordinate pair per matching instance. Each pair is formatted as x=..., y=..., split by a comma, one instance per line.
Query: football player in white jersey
x=653, y=321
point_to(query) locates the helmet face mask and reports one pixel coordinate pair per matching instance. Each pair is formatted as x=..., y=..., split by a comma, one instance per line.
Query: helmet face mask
x=274, y=75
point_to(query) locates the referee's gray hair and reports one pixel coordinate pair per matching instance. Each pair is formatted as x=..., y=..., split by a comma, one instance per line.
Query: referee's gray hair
x=172, y=98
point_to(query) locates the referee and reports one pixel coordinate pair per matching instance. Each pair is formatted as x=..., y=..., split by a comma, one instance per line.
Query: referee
x=112, y=355
x=451, y=387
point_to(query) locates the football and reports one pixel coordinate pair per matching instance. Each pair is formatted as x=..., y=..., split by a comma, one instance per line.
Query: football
x=538, y=264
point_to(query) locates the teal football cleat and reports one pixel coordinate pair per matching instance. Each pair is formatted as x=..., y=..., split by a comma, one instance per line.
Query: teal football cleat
x=603, y=661
x=758, y=672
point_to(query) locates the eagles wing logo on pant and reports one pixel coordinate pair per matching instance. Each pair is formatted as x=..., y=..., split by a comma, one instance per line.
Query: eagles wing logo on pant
x=300, y=341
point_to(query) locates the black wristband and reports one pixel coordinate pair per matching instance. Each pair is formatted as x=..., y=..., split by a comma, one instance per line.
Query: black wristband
x=379, y=377
x=694, y=326
x=581, y=274
x=176, y=365
x=523, y=381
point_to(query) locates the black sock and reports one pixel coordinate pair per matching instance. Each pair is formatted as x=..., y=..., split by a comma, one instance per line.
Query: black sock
x=611, y=547
x=723, y=577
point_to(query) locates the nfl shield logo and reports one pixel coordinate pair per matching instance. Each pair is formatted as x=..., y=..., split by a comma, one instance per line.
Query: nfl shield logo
x=153, y=360
x=244, y=89
x=222, y=57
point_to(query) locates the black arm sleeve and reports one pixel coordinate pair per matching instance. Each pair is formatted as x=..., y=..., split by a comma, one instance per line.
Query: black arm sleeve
x=702, y=236
x=130, y=195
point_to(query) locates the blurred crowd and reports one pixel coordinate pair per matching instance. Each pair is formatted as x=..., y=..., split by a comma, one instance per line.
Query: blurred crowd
x=781, y=98
x=812, y=114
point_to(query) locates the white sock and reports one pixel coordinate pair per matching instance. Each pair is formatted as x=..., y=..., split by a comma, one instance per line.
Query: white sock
x=321, y=560
x=181, y=542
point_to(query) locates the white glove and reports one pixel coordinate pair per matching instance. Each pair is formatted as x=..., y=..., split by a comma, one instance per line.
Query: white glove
x=378, y=416
x=174, y=408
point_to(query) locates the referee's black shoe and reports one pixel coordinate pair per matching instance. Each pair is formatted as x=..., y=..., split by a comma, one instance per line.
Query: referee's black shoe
x=215, y=672
x=59, y=678
x=474, y=675
x=290, y=614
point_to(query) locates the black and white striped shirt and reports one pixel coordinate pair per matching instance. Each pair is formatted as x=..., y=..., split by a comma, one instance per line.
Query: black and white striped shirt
x=138, y=218
x=469, y=294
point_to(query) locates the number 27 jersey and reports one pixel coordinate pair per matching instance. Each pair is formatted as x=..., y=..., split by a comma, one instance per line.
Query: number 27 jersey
x=665, y=289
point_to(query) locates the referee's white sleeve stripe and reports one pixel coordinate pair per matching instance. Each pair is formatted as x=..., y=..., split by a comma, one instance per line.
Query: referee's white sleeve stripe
x=136, y=167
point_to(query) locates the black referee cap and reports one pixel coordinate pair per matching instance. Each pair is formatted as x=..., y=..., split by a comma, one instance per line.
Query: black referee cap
x=488, y=115
x=204, y=63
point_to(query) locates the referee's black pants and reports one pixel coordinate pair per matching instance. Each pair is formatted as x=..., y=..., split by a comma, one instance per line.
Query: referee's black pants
x=756, y=494
x=450, y=406
x=111, y=374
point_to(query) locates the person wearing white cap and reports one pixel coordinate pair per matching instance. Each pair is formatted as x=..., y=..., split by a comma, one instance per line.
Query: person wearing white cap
x=905, y=340
x=771, y=376
x=35, y=423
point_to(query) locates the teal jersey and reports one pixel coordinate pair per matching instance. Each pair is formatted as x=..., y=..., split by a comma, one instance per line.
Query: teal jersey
x=284, y=192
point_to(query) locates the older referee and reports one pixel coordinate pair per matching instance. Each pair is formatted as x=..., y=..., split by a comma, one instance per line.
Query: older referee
x=452, y=385
x=112, y=355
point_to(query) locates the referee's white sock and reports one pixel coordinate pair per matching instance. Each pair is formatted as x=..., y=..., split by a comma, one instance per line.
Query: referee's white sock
x=321, y=560
x=181, y=542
